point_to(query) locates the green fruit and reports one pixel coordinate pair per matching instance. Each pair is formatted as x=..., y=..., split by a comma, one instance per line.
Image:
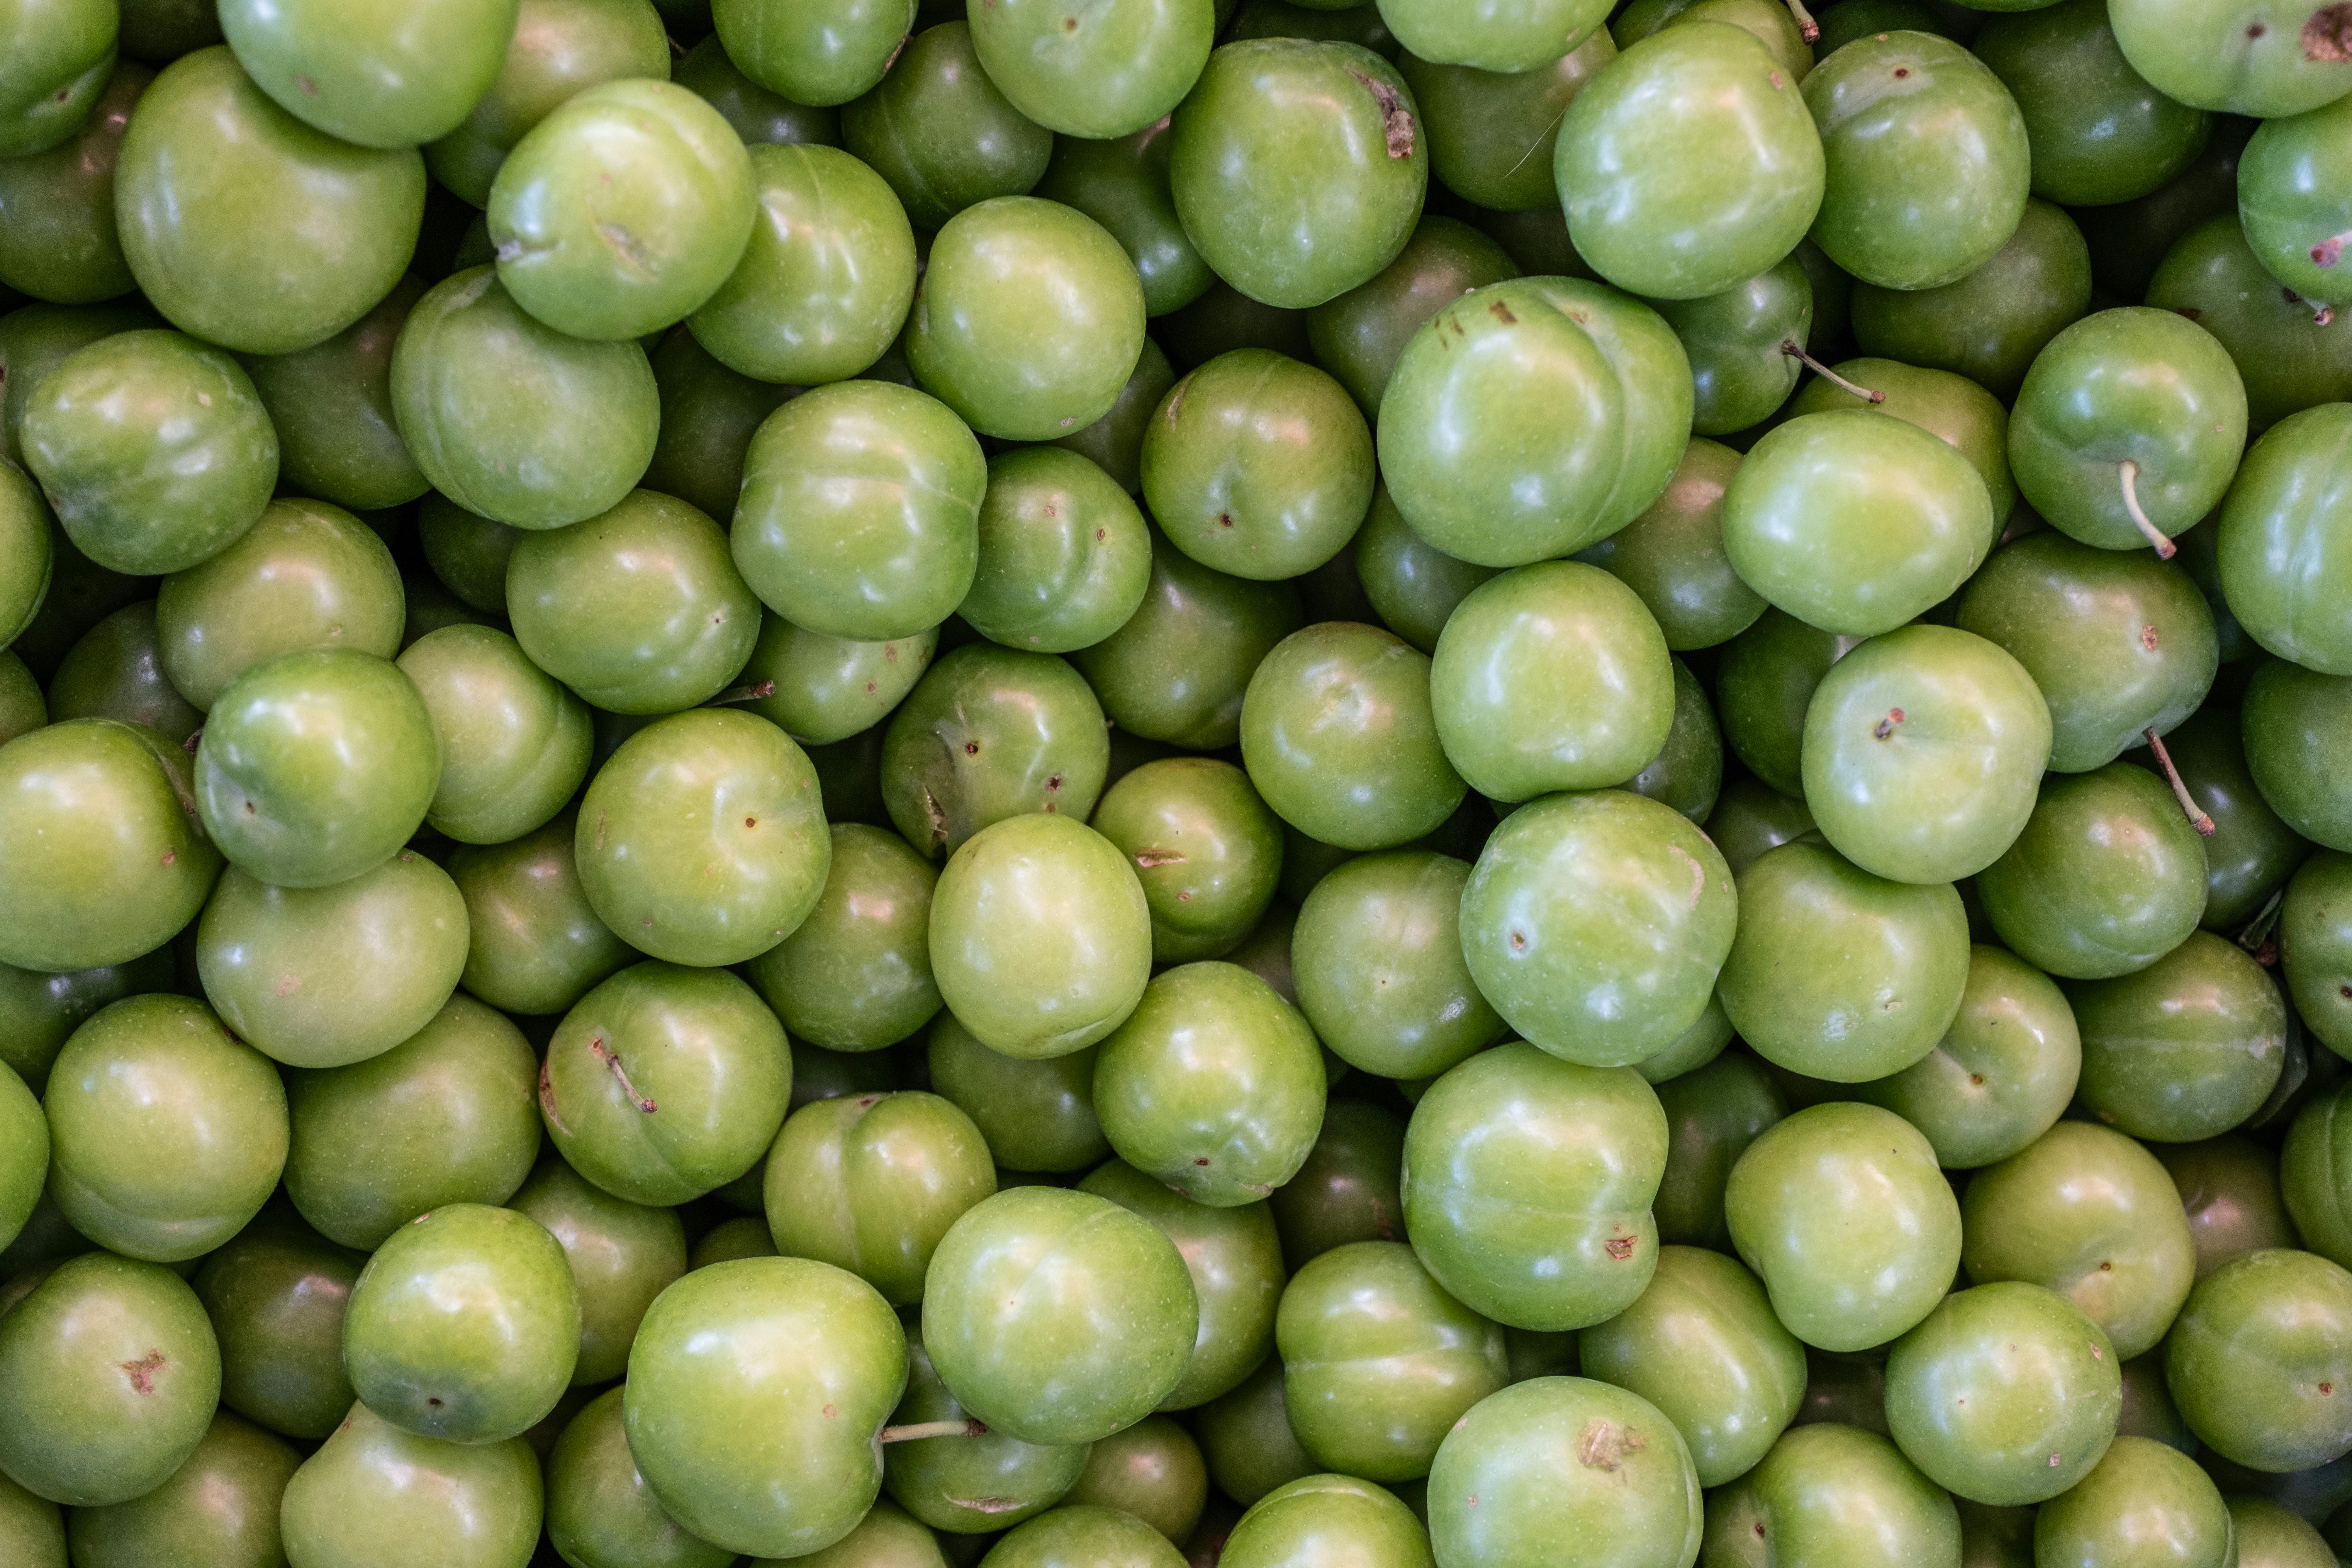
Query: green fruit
x=27, y=534
x=1738, y=341
x=109, y=1375
x=2142, y=1494
x=1206, y=849
x=275, y=1295
x=964, y=1482
x=1776, y=28
x=1123, y=185
x=331, y=405
x=2269, y=1536
x=992, y=732
x=937, y=127
x=1713, y=1113
x=1832, y=1493
x=1064, y=556
x=1179, y=670
x=829, y=689
x=373, y=1491
x=855, y=975
x=2229, y=1188
x=1689, y=165
x=2099, y=132
x=622, y=1255
x=1039, y=1113
x=1989, y=325
x=220, y=1506
x=824, y=55
x=1491, y=38
x=1412, y=587
x=514, y=744
x=2293, y=728
x=366, y=77
x=2107, y=877
x=870, y=1182
x=1346, y=1190
x=1094, y=1537
x=1841, y=1276
x=1687, y=772
x=1559, y=1466
x=467, y=553
x=1153, y=1470
x=1838, y=973
x=2251, y=1354
x=1381, y=975
x=885, y=1538
x=2287, y=533
x=1359, y=335
x=2285, y=355
x=1765, y=682
x=24, y=1159
x=58, y=54
x=1296, y=167
x=1246, y=1440
x=2252, y=57
x=2315, y=945
x=599, y=1508
x=1111, y=78
x=1327, y=1520
x=2250, y=851
x=535, y=945
x=2186, y=1048
x=1493, y=134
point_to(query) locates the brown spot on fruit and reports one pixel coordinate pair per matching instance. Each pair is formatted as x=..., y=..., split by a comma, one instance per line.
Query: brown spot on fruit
x=2327, y=36
x=2328, y=251
x=1620, y=1248
x=1224, y=519
x=1518, y=941
x=750, y=822
x=141, y=1373
x=971, y=748
x=1151, y=858
x=433, y=1401
x=1502, y=313
x=1604, y=1445
x=1396, y=119
x=170, y=855
x=1200, y=1162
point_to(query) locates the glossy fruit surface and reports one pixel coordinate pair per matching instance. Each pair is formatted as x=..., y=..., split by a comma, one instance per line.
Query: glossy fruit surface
x=1064, y=556
x=1989, y=325
x=1492, y=134
x=2153, y=1491
x=1381, y=975
x=59, y=56
x=992, y=732
x=621, y=1257
x=2285, y=530
x=822, y=57
x=371, y=1490
x=857, y=974
x=379, y=80
x=963, y=1483
x=2251, y=58
x=224, y=1500
x=1205, y=847
x=2099, y=132
x=2293, y=729
x=2107, y=877
x=1837, y=1491
x=598, y=1503
x=870, y=1182
x=2252, y=1347
x=1323, y=1518
x=534, y=944
x=2186, y=1048
x=1109, y=79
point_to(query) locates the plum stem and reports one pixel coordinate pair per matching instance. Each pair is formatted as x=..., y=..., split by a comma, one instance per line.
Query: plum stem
x=2198, y=820
x=1811, y=30
x=2129, y=470
x=751, y=693
x=195, y=736
x=1796, y=351
x=922, y=1429
x=611, y=1059
x=2256, y=938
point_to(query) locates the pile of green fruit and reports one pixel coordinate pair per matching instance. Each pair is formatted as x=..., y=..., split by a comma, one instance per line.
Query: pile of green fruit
x=1117, y=784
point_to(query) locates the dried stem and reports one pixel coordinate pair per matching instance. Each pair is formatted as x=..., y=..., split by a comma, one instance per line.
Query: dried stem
x=751, y=693
x=194, y=736
x=2165, y=548
x=611, y=1059
x=1796, y=351
x=2194, y=813
x=1805, y=22
x=922, y=1429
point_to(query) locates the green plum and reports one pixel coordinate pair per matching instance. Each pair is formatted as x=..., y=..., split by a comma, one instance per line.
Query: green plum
x=1095, y=1537
x=1773, y=26
x=373, y=1491
x=101, y=857
x=826, y=55
x=1379, y=1363
x=2285, y=536
x=2250, y=851
x=1970, y=420
x=2314, y=936
x=2229, y=1187
x=1381, y=975
x=1830, y=1492
x=23, y=707
x=870, y=1182
x=514, y=744
x=2186, y=1048
x=558, y=49
x=1359, y=335
x=1179, y=670
x=2310, y=1174
x=1687, y=772
x=1327, y=1520
x=1690, y=164
x=154, y=449
x=1065, y=555
x=1765, y=680
x=24, y=1163
x=366, y=77
x=1205, y=847
x=1039, y=1113
x=966, y=1483
x=1713, y=1113
x=28, y=534
x=59, y=53
x=1296, y=167
x=1058, y=1316
x=1738, y=342
x=599, y=1508
x=35, y=338
x=859, y=514
x=1493, y=134
x=2256, y=1359
x=109, y=1376
x=116, y=671
x=937, y=127
x=745, y=1236
x=2144, y=1502
x=275, y=1295
x=535, y=945
x=1125, y=68
x=992, y=732
x=220, y=1506
x=2295, y=221
x=2269, y=1536
x=2107, y=877
x=622, y=1255
x=2253, y=56
x=1412, y=587
x=2294, y=728
x=467, y=552
x=1346, y=1190
x=1122, y=183
x=855, y=975
x=1989, y=325
x=2285, y=352
x=664, y=1083
x=1842, y=1275
x=829, y=689
x=331, y=405
x=1509, y=37
x=885, y=1538
x=2099, y=132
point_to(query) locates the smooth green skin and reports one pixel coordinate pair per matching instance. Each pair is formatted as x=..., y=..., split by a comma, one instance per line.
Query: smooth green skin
x=1600, y=969
x=2287, y=360
x=2186, y=1048
x=1412, y=587
x=1690, y=166
x=870, y=1182
x=827, y=280
x=1921, y=752
x=1839, y=973
x=2107, y=877
x=1153, y=1470
x=859, y=515
x=1989, y=325
x=1359, y=335
x=1687, y=772
x=1527, y=1185
x=2229, y=1188
x=991, y=733
x=939, y=130
x=745, y=1236
x=464, y=1326
x=2286, y=533
x=24, y=1159
x=221, y=1506
x=1057, y=1316
x=316, y=765
x=1534, y=417
x=1122, y=184
x=1040, y=936
x=1381, y=975
x=1040, y=1114
x=559, y=47
x=109, y=1375
x=885, y=1538
x=1701, y=1344
x=2293, y=728
x=1970, y=420
x=1258, y=465
x=103, y=859
x=1713, y=1112
x=208, y=170
x=323, y=977
x=1323, y=1521
x=36, y=337
x=2315, y=935
x=58, y=53
x=1379, y=1363
x=1995, y=1383
x=731, y=1380
x=855, y=975
x=305, y=574
x=331, y=406
x=1214, y=1085
x=1739, y=372
x=1833, y=1493
x=1346, y=1190
x=27, y=544
x=1205, y=847
x=1125, y=68
x=622, y=211
x=823, y=54
x=1926, y=180
x=2245, y=1360
x=1298, y=167
x=2251, y=851
x=514, y=420
x=1494, y=37
x=1856, y=521
x=1235, y=1258
x=2262, y=57
x=57, y=238
x=2130, y=384
x=695, y=1044
x=1605, y=711
x=2099, y=132
x=467, y=552
x=2310, y=1169
x=709, y=414
x=2144, y=1503
x=1084, y=1537
x=154, y=449
x=1246, y=1439
x=1492, y=134
x=535, y=946
x=1565, y=1469
x=514, y=744
x=381, y=79
x=2117, y=642
x=1340, y=739
x=759, y=116
x=1064, y=556
x=1776, y=29
x=1180, y=668
x=969, y=1485
x=2000, y=1075
x=276, y=1296
x=622, y=1255
x=445, y=1116
x=2296, y=225
x=599, y=1508
x=2271, y=1537
x=23, y=709
x=372, y=1492
x=1843, y=1276
x=1765, y=682
x=829, y=689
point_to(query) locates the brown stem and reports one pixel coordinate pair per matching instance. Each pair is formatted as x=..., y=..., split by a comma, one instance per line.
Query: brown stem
x=922, y=1429
x=2165, y=548
x=1805, y=22
x=2194, y=813
x=612, y=1058
x=751, y=693
x=2257, y=934
x=194, y=736
x=1796, y=351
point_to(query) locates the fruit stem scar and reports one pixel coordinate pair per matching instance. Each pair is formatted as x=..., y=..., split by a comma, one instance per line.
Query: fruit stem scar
x=1805, y=22
x=2129, y=473
x=1396, y=119
x=751, y=693
x=611, y=1059
x=1885, y=727
x=1149, y=859
x=142, y=1372
x=920, y=1430
x=1796, y=351
x=2196, y=814
x=547, y=1102
x=2327, y=36
x=195, y=736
